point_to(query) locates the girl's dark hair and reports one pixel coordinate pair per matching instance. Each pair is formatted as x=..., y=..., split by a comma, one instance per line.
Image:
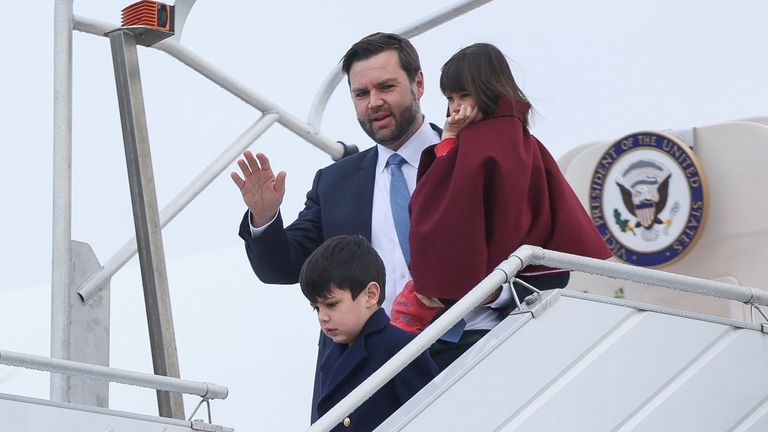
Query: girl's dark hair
x=482, y=71
x=345, y=262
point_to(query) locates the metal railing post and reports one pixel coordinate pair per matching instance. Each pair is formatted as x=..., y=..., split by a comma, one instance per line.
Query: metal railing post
x=61, y=257
x=146, y=217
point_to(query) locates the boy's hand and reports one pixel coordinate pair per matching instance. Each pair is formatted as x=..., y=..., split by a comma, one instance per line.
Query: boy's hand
x=461, y=119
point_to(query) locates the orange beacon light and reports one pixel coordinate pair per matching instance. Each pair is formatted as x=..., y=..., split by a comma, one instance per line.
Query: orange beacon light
x=151, y=14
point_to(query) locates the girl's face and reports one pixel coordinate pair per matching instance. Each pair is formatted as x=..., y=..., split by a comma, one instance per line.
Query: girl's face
x=458, y=99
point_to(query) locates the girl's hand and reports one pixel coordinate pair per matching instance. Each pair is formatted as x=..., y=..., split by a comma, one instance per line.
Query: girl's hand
x=459, y=120
x=430, y=301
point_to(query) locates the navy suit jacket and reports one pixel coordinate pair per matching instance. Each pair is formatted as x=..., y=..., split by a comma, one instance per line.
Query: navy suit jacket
x=347, y=366
x=340, y=202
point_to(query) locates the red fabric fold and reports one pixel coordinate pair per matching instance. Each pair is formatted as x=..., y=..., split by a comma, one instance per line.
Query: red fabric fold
x=410, y=313
x=445, y=146
x=497, y=190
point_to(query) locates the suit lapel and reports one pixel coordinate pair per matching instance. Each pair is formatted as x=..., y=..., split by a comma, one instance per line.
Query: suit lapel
x=367, y=178
x=437, y=129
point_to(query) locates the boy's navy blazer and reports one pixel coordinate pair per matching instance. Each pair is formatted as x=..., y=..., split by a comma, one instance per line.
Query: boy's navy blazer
x=346, y=367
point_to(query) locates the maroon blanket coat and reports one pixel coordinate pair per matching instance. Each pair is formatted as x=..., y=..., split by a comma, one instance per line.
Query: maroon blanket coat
x=497, y=189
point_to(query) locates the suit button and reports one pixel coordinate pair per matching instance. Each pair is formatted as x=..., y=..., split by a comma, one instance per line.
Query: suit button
x=347, y=421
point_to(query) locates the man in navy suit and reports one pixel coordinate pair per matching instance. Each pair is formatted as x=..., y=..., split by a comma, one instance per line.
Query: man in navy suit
x=342, y=280
x=352, y=196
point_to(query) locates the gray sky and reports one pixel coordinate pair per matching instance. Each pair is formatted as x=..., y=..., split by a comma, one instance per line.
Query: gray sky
x=594, y=70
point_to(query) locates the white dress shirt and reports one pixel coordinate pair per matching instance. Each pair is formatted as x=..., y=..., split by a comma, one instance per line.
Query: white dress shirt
x=383, y=234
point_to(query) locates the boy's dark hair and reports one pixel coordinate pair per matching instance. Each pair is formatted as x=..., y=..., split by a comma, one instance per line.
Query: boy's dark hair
x=344, y=262
x=482, y=71
x=377, y=43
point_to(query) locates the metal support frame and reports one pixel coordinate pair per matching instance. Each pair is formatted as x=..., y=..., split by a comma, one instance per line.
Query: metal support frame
x=92, y=319
x=752, y=309
x=96, y=280
x=229, y=83
x=506, y=271
x=146, y=217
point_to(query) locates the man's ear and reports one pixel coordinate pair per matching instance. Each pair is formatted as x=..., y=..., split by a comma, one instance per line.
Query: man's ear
x=372, y=293
x=419, y=83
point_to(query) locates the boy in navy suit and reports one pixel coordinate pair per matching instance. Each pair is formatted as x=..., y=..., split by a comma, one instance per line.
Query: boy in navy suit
x=343, y=282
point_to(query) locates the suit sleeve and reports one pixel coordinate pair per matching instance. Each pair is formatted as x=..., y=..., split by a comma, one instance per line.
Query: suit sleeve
x=277, y=255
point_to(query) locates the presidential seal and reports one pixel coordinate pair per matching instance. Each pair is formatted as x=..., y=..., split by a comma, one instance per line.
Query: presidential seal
x=648, y=198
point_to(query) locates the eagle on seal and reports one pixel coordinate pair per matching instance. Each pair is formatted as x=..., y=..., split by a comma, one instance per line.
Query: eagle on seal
x=644, y=189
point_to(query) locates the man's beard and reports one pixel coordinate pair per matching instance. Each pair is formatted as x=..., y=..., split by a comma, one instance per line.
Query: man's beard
x=404, y=119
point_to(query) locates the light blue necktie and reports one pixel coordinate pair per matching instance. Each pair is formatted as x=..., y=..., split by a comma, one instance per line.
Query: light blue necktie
x=454, y=333
x=399, y=196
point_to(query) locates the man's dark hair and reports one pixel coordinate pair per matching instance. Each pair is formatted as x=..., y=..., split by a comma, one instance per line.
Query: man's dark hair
x=344, y=262
x=377, y=43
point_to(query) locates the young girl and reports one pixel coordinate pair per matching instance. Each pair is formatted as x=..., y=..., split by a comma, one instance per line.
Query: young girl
x=488, y=188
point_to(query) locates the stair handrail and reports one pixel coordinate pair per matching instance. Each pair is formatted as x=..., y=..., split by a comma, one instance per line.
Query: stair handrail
x=503, y=273
x=141, y=379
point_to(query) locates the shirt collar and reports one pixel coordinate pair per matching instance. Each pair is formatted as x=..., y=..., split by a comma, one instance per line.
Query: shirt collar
x=411, y=150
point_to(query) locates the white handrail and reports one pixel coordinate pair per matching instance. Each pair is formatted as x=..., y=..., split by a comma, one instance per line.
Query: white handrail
x=72, y=368
x=416, y=28
x=614, y=270
x=504, y=272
